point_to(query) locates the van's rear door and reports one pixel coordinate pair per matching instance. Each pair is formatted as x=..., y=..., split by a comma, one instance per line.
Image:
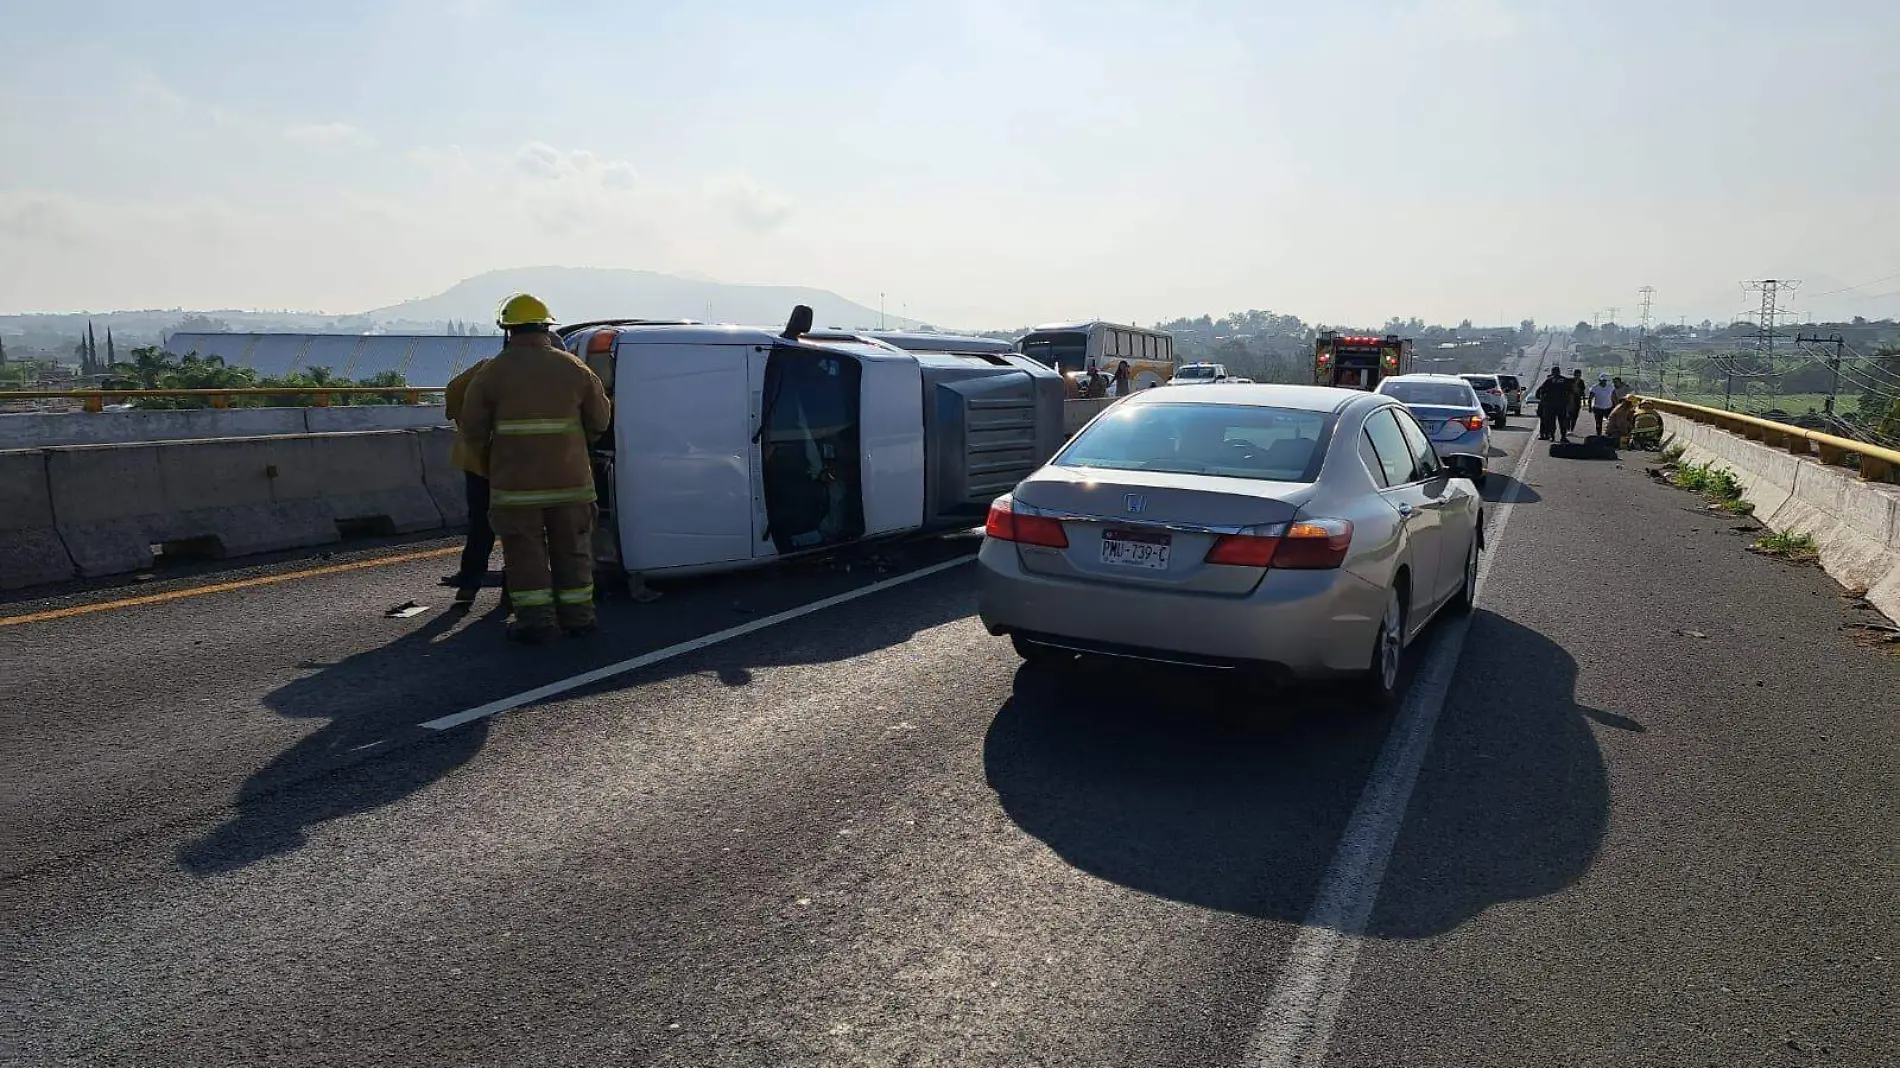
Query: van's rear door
x=683, y=475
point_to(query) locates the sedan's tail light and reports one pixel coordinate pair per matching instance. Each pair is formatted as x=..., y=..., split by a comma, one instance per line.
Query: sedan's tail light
x=1495, y=392
x=1310, y=544
x=1006, y=524
x=1473, y=422
x=1244, y=550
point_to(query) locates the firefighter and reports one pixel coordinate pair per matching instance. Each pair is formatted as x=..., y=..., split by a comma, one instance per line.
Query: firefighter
x=1647, y=430
x=473, y=463
x=534, y=410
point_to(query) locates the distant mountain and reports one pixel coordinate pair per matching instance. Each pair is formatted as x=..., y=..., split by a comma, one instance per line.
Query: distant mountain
x=580, y=293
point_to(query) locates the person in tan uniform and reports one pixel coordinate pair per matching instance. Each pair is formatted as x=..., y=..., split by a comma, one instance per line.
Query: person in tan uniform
x=533, y=410
x=473, y=463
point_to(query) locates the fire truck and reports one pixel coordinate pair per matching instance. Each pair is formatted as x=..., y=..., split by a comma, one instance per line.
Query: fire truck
x=1358, y=362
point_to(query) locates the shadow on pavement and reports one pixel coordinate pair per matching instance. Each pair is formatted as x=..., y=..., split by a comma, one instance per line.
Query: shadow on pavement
x=1499, y=485
x=375, y=699
x=278, y=803
x=1133, y=776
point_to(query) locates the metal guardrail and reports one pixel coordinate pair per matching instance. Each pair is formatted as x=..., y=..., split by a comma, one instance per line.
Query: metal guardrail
x=1877, y=463
x=94, y=400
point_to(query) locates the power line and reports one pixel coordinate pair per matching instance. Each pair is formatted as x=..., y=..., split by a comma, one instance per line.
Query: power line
x=1849, y=289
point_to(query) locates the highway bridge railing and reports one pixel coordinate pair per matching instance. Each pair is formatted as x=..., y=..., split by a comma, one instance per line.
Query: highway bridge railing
x=1876, y=463
x=95, y=400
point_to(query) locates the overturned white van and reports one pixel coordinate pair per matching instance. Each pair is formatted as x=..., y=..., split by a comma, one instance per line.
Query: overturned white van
x=734, y=447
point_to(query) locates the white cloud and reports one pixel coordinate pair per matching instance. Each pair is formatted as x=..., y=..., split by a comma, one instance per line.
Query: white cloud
x=329, y=134
x=751, y=204
x=539, y=160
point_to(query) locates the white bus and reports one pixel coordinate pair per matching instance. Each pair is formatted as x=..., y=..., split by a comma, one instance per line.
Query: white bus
x=1088, y=353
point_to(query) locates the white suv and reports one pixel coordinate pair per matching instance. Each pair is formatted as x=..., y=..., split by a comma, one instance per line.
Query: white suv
x=1491, y=395
x=1200, y=374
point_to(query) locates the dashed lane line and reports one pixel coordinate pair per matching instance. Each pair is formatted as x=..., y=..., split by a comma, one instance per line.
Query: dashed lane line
x=224, y=587
x=1297, y=1025
x=588, y=678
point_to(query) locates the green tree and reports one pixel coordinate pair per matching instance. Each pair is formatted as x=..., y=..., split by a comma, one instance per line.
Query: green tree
x=149, y=368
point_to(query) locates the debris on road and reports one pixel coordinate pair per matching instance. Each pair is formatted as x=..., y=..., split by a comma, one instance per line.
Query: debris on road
x=1874, y=633
x=405, y=610
x=1690, y=633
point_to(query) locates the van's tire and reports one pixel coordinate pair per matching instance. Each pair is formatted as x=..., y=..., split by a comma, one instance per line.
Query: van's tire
x=1378, y=687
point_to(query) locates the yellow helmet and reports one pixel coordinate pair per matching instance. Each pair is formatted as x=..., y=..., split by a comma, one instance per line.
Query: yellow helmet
x=523, y=309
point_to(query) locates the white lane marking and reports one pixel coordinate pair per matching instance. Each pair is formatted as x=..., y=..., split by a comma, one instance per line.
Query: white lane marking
x=1297, y=1024
x=586, y=678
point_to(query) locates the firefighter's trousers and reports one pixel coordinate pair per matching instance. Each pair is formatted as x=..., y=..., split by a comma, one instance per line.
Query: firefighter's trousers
x=548, y=554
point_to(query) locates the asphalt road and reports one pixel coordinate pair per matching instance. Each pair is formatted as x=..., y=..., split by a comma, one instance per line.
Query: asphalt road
x=1655, y=824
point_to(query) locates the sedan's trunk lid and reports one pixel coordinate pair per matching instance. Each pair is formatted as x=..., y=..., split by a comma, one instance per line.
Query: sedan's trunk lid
x=1151, y=528
x=1433, y=418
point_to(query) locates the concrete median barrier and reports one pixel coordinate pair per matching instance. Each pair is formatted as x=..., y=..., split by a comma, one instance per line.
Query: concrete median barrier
x=1077, y=413
x=47, y=430
x=447, y=486
x=117, y=506
x=1855, y=523
x=370, y=481
x=339, y=419
x=117, y=503
x=31, y=552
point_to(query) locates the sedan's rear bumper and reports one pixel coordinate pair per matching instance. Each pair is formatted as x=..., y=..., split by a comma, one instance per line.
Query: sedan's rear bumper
x=1471, y=442
x=1301, y=624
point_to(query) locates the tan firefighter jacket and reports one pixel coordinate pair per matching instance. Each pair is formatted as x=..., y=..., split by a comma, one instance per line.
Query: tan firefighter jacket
x=463, y=455
x=533, y=410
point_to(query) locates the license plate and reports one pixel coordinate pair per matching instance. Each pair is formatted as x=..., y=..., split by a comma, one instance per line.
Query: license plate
x=1130, y=548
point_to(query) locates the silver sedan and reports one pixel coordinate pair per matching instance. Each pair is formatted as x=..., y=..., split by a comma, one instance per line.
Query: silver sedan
x=1289, y=531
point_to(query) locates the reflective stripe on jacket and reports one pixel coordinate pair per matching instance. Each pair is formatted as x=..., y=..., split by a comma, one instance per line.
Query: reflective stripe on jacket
x=535, y=408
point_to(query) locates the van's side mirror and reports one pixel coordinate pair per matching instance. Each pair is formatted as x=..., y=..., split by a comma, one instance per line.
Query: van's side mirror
x=799, y=324
x=1464, y=465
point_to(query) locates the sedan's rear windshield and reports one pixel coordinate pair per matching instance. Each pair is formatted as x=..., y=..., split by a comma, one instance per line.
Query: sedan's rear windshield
x=1443, y=393
x=1195, y=371
x=1482, y=383
x=1230, y=440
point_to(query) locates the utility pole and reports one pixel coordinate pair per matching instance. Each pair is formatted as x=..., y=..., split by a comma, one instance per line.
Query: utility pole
x=1833, y=362
x=880, y=311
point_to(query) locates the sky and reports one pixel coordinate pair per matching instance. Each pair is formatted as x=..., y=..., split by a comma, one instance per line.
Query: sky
x=984, y=163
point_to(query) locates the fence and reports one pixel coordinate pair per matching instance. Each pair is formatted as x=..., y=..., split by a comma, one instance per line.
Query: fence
x=1875, y=462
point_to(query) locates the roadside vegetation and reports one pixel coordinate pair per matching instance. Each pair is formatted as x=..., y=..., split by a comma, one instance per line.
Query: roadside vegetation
x=1716, y=484
x=1798, y=546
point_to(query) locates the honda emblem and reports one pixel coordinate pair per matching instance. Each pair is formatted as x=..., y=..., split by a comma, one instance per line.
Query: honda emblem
x=1133, y=503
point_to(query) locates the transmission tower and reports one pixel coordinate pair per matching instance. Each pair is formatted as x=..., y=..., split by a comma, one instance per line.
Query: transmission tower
x=1642, y=335
x=1771, y=290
